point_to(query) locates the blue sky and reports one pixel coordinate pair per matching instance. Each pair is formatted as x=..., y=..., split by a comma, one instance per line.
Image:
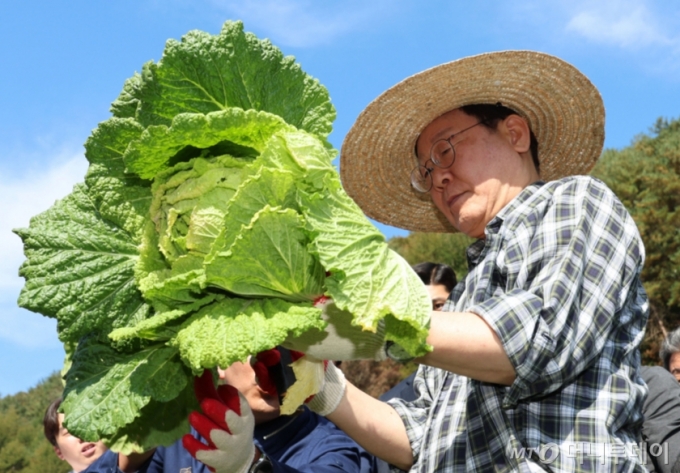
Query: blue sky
x=63, y=63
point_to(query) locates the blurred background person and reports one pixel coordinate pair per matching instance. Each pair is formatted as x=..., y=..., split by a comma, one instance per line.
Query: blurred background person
x=670, y=353
x=661, y=425
x=439, y=279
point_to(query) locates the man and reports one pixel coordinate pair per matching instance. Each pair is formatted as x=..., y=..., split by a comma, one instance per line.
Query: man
x=241, y=421
x=534, y=362
x=661, y=428
x=670, y=353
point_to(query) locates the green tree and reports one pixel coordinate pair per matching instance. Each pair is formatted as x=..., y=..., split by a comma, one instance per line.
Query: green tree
x=646, y=177
x=447, y=248
x=13, y=455
x=23, y=447
x=44, y=460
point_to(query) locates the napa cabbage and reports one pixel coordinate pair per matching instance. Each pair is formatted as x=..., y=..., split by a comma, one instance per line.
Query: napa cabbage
x=209, y=220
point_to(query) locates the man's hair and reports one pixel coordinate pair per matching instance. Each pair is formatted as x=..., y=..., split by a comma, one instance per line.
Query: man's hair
x=51, y=421
x=491, y=114
x=436, y=273
x=670, y=345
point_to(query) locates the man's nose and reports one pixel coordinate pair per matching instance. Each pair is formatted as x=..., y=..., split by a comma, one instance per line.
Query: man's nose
x=440, y=177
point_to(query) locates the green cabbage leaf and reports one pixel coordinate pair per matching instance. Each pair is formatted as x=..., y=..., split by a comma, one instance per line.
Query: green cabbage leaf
x=209, y=221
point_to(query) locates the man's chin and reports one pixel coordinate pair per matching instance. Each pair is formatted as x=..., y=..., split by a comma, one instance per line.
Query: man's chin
x=266, y=415
x=456, y=223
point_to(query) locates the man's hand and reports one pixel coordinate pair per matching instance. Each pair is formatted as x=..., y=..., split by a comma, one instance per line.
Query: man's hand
x=328, y=398
x=341, y=340
x=227, y=424
x=261, y=365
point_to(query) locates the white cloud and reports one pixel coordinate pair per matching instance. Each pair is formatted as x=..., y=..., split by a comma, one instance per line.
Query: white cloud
x=25, y=196
x=306, y=23
x=622, y=23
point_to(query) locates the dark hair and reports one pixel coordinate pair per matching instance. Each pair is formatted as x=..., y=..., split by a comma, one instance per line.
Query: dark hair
x=491, y=114
x=51, y=421
x=670, y=345
x=436, y=273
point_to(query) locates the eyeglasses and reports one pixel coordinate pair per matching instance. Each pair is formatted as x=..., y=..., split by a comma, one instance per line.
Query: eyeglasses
x=442, y=155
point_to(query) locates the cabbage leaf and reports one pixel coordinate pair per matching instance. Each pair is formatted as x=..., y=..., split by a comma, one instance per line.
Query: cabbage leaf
x=210, y=219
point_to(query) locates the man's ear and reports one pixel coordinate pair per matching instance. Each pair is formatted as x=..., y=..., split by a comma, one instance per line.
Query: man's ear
x=518, y=133
x=57, y=450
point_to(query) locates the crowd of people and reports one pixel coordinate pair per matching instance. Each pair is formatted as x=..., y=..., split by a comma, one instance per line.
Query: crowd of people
x=534, y=361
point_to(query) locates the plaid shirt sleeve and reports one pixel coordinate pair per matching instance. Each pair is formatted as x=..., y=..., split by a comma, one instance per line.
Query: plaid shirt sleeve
x=565, y=280
x=415, y=413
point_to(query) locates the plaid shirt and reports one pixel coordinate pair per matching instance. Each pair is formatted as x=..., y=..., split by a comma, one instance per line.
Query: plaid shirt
x=558, y=279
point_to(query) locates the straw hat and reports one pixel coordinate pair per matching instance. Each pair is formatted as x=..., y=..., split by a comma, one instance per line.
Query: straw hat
x=564, y=110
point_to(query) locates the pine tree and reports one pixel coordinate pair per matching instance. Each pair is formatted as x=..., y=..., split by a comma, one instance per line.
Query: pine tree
x=23, y=447
x=646, y=177
x=447, y=248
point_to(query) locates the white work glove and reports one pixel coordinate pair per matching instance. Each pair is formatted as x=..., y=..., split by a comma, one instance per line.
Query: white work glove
x=328, y=398
x=340, y=340
x=227, y=425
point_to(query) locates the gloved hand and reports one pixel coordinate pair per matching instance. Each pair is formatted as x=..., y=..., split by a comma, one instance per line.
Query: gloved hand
x=328, y=398
x=261, y=364
x=323, y=402
x=341, y=340
x=227, y=425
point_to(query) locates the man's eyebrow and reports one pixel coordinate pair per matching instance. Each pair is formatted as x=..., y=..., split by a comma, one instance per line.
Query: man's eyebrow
x=446, y=132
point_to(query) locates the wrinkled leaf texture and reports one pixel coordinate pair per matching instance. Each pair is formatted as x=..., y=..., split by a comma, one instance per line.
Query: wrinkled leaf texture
x=143, y=324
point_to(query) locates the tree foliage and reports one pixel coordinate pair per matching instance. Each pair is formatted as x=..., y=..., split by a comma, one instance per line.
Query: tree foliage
x=23, y=447
x=447, y=248
x=376, y=377
x=646, y=177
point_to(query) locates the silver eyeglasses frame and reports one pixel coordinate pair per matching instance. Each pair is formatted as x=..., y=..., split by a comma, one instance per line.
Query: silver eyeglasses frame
x=442, y=155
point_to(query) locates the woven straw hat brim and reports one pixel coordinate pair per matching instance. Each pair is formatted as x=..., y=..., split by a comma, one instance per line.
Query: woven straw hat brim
x=563, y=108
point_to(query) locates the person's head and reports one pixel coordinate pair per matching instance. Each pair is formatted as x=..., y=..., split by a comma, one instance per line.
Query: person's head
x=489, y=115
x=76, y=452
x=501, y=113
x=242, y=376
x=670, y=353
x=488, y=166
x=440, y=279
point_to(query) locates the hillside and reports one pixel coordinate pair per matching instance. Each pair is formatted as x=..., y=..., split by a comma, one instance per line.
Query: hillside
x=23, y=447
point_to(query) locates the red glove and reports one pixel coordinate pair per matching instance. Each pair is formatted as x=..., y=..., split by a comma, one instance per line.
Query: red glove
x=261, y=364
x=227, y=425
x=324, y=402
x=267, y=359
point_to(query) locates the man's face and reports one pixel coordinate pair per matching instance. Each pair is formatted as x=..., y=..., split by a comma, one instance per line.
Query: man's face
x=488, y=172
x=265, y=407
x=77, y=453
x=674, y=365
